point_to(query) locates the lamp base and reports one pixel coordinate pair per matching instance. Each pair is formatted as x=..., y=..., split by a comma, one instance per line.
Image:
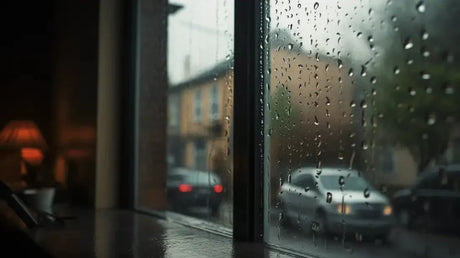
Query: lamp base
x=41, y=199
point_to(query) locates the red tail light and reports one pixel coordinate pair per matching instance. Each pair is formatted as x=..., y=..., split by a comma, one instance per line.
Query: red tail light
x=185, y=188
x=218, y=189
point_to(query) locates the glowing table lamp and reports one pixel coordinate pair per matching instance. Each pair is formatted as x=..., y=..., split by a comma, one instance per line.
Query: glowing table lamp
x=24, y=136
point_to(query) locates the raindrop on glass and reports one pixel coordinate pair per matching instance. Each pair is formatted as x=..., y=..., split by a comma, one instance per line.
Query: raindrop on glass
x=373, y=80
x=364, y=145
x=425, y=53
x=350, y=72
x=396, y=70
x=425, y=75
x=341, y=181
x=290, y=46
x=448, y=89
x=425, y=35
x=363, y=71
x=421, y=7
x=430, y=118
x=408, y=44
x=366, y=193
x=316, y=5
x=340, y=156
x=328, y=197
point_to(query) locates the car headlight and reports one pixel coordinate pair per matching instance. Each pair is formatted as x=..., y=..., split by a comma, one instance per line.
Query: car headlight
x=387, y=211
x=344, y=209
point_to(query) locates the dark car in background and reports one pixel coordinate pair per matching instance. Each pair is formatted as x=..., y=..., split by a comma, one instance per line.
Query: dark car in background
x=193, y=191
x=335, y=200
x=433, y=201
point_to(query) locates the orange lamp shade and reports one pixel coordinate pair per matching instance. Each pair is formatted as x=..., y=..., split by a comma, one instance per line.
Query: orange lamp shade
x=33, y=156
x=22, y=134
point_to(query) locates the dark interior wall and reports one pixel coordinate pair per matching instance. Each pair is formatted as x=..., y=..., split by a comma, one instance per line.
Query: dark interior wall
x=25, y=73
x=25, y=63
x=48, y=74
x=75, y=72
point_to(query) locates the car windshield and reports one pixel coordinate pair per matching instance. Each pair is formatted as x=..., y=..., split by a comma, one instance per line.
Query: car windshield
x=349, y=183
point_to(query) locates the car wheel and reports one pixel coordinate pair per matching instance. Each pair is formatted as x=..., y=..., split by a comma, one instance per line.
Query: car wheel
x=319, y=224
x=215, y=211
x=404, y=218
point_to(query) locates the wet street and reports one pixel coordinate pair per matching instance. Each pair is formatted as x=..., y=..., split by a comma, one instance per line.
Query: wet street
x=400, y=243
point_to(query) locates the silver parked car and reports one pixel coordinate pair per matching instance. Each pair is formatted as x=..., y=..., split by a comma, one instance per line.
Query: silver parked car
x=335, y=200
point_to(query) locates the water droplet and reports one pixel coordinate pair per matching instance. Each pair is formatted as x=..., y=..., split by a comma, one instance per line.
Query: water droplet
x=359, y=34
x=425, y=75
x=316, y=121
x=281, y=181
x=430, y=118
x=307, y=189
x=341, y=181
x=421, y=7
x=352, y=104
x=448, y=89
x=363, y=71
x=328, y=197
x=373, y=80
x=363, y=104
x=339, y=63
x=425, y=35
x=340, y=156
x=290, y=46
x=370, y=39
x=299, y=5
x=364, y=145
x=366, y=193
x=350, y=72
x=408, y=44
x=316, y=5
x=412, y=91
x=394, y=18
x=396, y=70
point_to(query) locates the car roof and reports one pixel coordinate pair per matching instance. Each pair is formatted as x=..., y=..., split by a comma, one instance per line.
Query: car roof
x=330, y=171
x=191, y=174
x=449, y=169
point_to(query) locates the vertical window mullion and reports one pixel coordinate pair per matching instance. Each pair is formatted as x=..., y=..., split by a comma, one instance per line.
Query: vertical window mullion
x=248, y=125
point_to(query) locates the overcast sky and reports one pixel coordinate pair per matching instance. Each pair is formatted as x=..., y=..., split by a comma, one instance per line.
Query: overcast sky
x=203, y=30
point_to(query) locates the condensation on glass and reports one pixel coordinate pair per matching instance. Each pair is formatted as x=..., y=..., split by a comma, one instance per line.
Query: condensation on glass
x=364, y=131
x=200, y=103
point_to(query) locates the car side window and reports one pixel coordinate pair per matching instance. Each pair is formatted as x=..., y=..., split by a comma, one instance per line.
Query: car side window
x=303, y=181
x=428, y=182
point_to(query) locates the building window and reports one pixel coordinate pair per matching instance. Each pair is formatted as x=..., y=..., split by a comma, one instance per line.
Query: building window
x=199, y=155
x=385, y=160
x=173, y=111
x=197, y=106
x=214, y=103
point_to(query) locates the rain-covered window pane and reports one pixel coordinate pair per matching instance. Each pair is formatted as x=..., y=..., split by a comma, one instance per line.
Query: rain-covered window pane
x=364, y=99
x=200, y=73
